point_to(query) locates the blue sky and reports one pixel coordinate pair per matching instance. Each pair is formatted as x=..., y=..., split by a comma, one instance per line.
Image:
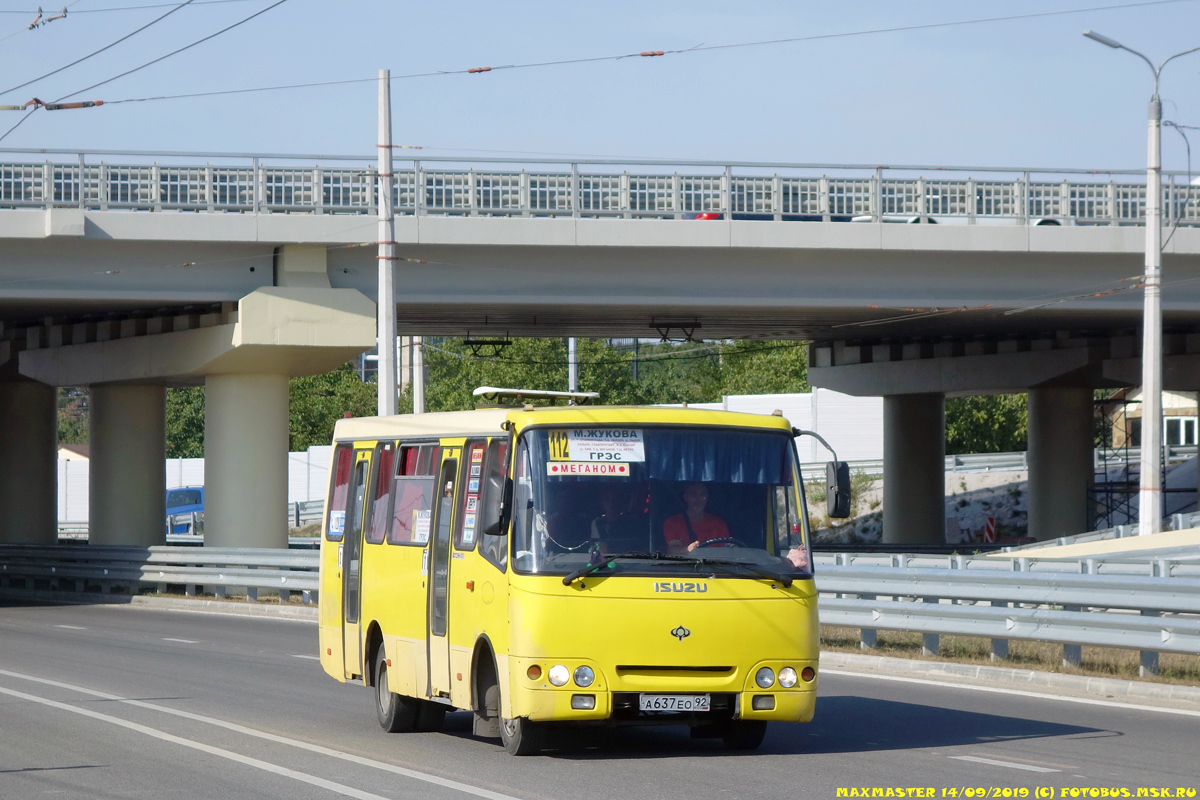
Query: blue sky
x=1022, y=93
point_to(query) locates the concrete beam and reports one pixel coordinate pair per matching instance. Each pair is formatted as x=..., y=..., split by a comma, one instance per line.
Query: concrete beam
x=965, y=374
x=279, y=330
x=303, y=265
x=1181, y=373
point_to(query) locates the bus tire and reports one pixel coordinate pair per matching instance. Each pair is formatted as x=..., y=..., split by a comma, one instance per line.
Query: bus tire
x=744, y=734
x=430, y=716
x=397, y=714
x=522, y=737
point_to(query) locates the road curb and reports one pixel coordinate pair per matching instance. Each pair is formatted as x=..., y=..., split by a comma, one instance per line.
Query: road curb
x=1102, y=687
x=199, y=606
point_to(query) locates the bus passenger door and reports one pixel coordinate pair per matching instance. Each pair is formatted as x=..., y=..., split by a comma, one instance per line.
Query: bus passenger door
x=352, y=564
x=439, y=583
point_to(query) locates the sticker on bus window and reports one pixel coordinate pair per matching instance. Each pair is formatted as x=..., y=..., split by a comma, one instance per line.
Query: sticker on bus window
x=475, y=470
x=420, y=525
x=473, y=485
x=468, y=538
x=597, y=445
x=477, y=454
x=337, y=523
x=472, y=502
x=617, y=470
x=469, y=521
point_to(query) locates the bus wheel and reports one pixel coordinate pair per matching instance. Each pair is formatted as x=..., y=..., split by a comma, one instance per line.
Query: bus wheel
x=396, y=714
x=522, y=737
x=744, y=734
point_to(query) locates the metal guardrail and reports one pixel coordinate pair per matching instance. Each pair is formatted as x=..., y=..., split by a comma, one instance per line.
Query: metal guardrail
x=1014, y=461
x=1120, y=600
x=1134, y=601
x=591, y=188
x=108, y=569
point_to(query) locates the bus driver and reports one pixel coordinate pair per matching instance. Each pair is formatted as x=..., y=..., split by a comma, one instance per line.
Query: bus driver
x=687, y=531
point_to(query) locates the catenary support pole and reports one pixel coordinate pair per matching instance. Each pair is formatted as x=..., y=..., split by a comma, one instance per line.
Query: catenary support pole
x=572, y=366
x=418, y=377
x=386, y=374
x=1150, y=507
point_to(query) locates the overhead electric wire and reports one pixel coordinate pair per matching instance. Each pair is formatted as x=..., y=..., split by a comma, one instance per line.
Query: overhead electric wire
x=707, y=351
x=109, y=46
x=658, y=53
x=20, y=122
x=127, y=8
x=174, y=52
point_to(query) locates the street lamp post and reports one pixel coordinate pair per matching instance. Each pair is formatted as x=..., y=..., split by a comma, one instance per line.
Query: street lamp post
x=1150, y=496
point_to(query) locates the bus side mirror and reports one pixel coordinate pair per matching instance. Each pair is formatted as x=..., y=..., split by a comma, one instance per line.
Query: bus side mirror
x=837, y=489
x=499, y=511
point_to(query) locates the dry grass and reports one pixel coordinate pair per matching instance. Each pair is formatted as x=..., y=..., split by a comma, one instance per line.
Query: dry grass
x=1100, y=662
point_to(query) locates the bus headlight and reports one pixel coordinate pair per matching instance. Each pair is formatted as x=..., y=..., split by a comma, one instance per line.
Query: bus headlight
x=787, y=677
x=584, y=676
x=559, y=675
x=765, y=678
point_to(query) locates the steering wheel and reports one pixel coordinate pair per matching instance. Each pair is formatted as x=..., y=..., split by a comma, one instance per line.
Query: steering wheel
x=724, y=540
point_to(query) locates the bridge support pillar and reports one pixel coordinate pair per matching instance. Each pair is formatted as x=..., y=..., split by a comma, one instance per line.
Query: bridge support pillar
x=28, y=468
x=245, y=460
x=1061, y=469
x=127, y=475
x=914, y=469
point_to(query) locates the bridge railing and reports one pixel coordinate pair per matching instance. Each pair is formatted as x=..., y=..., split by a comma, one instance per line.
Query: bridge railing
x=596, y=188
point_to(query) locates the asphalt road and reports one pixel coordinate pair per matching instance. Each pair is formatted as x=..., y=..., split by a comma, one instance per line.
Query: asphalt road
x=116, y=701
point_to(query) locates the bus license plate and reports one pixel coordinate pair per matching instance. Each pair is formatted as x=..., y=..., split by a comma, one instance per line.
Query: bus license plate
x=673, y=702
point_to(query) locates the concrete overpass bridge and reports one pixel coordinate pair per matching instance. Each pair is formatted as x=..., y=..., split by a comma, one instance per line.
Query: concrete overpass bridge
x=915, y=282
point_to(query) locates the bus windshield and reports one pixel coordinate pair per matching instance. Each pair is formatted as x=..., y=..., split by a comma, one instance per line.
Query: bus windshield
x=720, y=498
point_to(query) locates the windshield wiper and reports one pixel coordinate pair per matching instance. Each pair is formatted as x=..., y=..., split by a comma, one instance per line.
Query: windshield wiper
x=606, y=561
x=699, y=563
x=762, y=573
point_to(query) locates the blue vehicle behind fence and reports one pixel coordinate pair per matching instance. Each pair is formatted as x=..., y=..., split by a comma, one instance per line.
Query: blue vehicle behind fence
x=185, y=509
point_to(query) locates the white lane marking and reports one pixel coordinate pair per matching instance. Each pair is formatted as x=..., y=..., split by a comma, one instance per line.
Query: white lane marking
x=303, y=777
x=997, y=763
x=271, y=737
x=997, y=690
x=181, y=641
x=314, y=658
x=71, y=627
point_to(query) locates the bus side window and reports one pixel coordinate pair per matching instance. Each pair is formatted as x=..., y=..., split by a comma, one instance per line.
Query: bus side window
x=495, y=468
x=343, y=461
x=468, y=516
x=385, y=454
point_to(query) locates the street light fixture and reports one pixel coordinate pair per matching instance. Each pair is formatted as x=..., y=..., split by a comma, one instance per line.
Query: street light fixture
x=1150, y=496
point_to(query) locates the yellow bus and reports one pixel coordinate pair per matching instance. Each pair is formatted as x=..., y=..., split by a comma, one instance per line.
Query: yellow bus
x=572, y=565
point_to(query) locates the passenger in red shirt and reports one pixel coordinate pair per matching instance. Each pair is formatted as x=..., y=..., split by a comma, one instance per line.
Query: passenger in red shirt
x=687, y=531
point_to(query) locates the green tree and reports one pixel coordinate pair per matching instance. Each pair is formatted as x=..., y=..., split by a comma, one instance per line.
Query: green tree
x=989, y=424
x=764, y=367
x=72, y=416
x=319, y=401
x=185, y=422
